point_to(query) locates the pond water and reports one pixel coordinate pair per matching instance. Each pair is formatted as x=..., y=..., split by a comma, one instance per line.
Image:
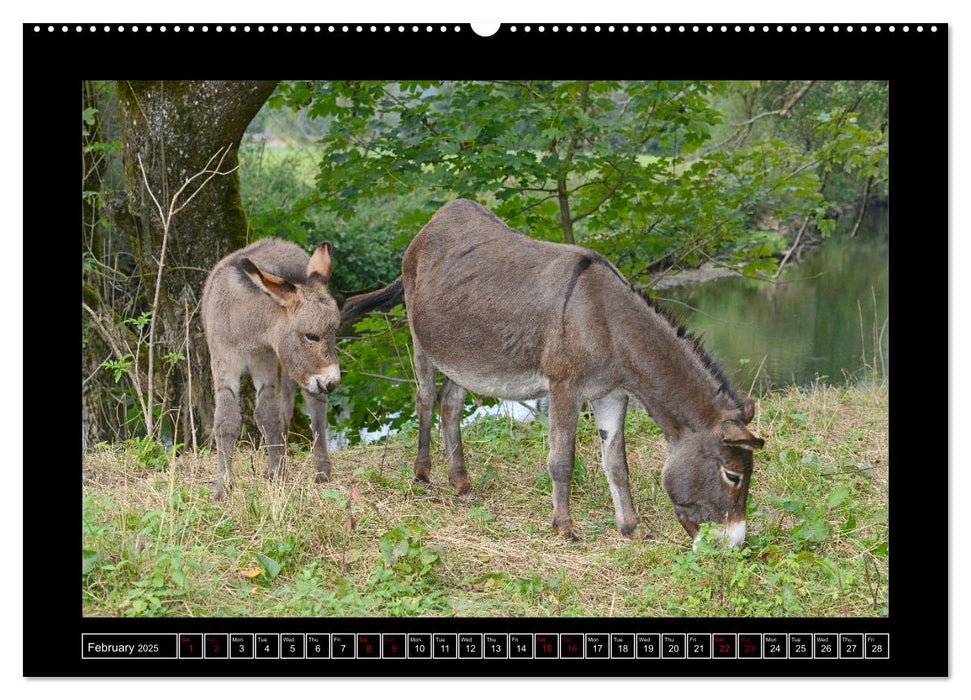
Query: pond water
x=825, y=319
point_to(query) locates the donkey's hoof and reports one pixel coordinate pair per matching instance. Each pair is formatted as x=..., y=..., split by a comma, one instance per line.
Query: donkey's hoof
x=219, y=493
x=322, y=477
x=566, y=532
x=638, y=531
x=462, y=486
x=422, y=475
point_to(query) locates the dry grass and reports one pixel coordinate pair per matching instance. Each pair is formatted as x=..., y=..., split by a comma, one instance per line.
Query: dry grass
x=157, y=544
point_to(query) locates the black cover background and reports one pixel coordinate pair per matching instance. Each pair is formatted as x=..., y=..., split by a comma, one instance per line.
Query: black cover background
x=916, y=65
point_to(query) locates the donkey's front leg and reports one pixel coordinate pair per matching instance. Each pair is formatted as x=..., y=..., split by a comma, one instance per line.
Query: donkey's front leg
x=317, y=408
x=265, y=371
x=609, y=413
x=226, y=425
x=564, y=411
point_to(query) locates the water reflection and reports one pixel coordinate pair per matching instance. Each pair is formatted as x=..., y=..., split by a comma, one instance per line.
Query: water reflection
x=826, y=318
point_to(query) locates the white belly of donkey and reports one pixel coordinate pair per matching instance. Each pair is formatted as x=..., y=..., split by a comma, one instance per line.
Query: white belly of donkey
x=508, y=386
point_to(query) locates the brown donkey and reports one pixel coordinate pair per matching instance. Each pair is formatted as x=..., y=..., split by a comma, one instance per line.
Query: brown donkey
x=504, y=315
x=266, y=310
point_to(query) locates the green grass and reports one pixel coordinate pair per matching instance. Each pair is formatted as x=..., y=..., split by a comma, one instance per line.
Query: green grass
x=260, y=161
x=374, y=543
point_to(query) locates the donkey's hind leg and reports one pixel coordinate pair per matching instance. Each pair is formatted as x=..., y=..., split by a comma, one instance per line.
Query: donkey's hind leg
x=564, y=412
x=317, y=407
x=609, y=414
x=227, y=420
x=425, y=405
x=451, y=400
x=266, y=374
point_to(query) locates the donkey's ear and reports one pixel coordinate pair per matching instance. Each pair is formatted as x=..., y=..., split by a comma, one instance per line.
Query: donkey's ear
x=320, y=266
x=734, y=433
x=748, y=409
x=278, y=289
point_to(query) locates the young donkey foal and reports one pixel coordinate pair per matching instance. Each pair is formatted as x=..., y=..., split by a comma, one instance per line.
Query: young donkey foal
x=504, y=315
x=266, y=310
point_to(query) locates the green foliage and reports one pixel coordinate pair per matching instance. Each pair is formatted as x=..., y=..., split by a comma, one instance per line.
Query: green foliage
x=140, y=322
x=277, y=188
x=119, y=367
x=90, y=131
x=481, y=516
x=134, y=562
x=377, y=385
x=172, y=358
x=840, y=125
x=514, y=145
x=532, y=586
x=150, y=453
x=270, y=566
x=405, y=581
x=630, y=163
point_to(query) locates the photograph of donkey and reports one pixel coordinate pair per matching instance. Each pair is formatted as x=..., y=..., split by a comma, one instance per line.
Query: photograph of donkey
x=504, y=315
x=267, y=311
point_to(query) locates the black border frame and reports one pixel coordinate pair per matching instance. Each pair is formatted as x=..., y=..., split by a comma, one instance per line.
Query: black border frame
x=914, y=58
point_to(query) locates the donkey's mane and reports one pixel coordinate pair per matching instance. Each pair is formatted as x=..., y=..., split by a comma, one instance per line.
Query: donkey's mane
x=695, y=344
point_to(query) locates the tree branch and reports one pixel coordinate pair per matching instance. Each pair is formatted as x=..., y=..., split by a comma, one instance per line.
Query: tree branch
x=783, y=111
x=174, y=208
x=424, y=120
x=795, y=244
x=866, y=198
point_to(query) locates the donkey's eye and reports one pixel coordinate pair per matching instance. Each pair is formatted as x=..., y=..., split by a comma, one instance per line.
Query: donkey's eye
x=312, y=338
x=732, y=478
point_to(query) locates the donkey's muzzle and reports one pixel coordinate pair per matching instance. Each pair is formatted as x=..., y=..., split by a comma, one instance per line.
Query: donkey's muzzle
x=730, y=535
x=326, y=381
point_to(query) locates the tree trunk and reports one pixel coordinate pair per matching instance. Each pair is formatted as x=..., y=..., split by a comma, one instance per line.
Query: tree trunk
x=93, y=425
x=562, y=178
x=174, y=128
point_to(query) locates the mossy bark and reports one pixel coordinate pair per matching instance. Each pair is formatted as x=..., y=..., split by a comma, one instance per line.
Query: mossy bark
x=93, y=426
x=172, y=129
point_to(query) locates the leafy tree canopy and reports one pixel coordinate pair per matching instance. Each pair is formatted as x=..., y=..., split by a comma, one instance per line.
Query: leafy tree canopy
x=628, y=168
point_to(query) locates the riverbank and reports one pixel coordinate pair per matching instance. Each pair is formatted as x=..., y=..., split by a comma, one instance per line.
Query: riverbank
x=706, y=273
x=374, y=543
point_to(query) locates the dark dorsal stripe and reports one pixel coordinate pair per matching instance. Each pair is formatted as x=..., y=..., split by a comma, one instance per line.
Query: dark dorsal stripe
x=578, y=269
x=586, y=261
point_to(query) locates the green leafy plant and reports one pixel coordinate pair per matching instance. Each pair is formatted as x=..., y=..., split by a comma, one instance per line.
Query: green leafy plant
x=150, y=453
x=119, y=367
x=173, y=357
x=404, y=583
x=377, y=387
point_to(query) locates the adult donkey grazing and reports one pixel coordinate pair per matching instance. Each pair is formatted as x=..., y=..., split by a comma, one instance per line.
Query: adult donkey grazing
x=504, y=315
x=266, y=310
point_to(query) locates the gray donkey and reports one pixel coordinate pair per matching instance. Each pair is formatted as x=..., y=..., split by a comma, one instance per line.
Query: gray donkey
x=504, y=315
x=266, y=310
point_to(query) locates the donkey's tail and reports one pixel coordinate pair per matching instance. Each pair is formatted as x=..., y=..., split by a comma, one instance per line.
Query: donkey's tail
x=357, y=307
